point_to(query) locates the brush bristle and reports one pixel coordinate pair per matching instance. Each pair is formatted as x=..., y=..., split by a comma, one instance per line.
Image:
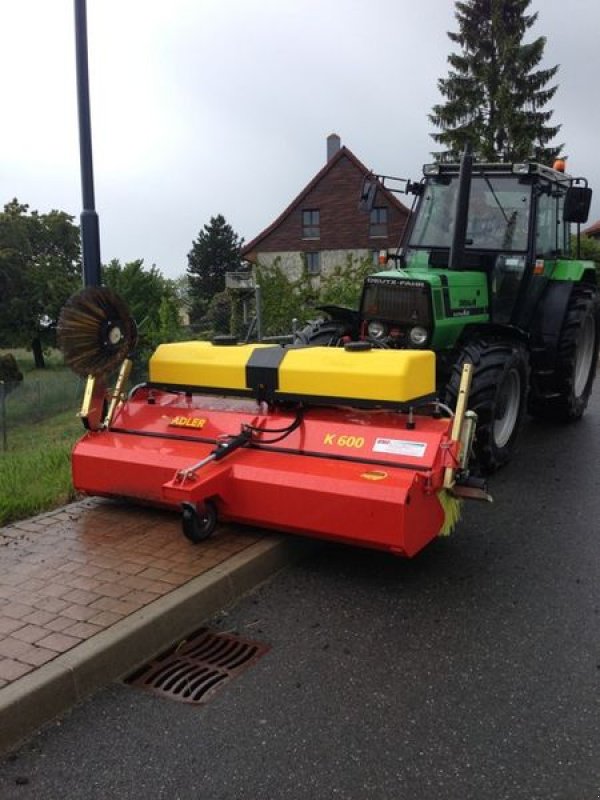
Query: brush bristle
x=82, y=328
x=452, y=507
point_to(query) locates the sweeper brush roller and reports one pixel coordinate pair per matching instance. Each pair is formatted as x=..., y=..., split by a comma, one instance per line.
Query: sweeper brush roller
x=95, y=331
x=318, y=441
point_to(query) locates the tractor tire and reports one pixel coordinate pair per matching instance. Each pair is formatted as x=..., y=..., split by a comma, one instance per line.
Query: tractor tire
x=499, y=387
x=322, y=333
x=576, y=361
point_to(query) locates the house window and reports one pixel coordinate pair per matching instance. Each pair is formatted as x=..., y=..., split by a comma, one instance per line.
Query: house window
x=313, y=263
x=311, y=222
x=378, y=225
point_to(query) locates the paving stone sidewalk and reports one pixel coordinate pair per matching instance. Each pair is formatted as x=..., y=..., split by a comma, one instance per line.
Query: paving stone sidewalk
x=72, y=573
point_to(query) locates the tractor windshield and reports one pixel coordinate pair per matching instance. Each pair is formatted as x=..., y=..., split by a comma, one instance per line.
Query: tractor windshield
x=498, y=218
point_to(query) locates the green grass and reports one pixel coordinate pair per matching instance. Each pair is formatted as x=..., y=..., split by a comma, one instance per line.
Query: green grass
x=24, y=357
x=35, y=472
x=41, y=394
x=41, y=429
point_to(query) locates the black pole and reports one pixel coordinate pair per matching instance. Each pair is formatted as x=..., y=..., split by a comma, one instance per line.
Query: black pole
x=90, y=231
x=462, y=209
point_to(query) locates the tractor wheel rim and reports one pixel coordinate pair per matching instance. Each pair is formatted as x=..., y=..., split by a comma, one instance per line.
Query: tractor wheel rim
x=507, y=408
x=585, y=356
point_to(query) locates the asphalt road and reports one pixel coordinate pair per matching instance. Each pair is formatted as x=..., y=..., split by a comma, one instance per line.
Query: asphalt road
x=472, y=671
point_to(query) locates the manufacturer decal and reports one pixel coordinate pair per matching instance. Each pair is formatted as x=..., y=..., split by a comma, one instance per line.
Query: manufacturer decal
x=469, y=312
x=400, y=447
x=412, y=284
x=344, y=441
x=187, y=422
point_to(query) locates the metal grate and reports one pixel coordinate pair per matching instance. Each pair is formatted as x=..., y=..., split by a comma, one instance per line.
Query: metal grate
x=193, y=671
x=397, y=301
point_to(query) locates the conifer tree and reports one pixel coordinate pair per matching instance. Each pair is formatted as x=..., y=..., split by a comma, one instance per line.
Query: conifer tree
x=216, y=251
x=495, y=93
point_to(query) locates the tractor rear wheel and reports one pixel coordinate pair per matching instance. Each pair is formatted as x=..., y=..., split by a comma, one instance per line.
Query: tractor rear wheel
x=498, y=395
x=576, y=361
x=323, y=333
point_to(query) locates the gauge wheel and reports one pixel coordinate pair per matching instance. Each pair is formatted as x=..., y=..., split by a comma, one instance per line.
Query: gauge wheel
x=499, y=388
x=199, y=522
x=577, y=359
x=322, y=333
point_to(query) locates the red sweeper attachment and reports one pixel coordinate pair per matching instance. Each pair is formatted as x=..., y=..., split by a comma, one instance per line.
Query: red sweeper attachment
x=343, y=444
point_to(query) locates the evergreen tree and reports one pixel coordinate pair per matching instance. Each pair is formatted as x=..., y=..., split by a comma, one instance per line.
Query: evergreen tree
x=217, y=250
x=494, y=94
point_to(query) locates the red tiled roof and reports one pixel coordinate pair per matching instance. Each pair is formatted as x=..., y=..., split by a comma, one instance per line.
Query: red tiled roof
x=593, y=230
x=343, y=152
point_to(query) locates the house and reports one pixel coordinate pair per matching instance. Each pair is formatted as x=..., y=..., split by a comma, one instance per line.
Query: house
x=323, y=224
x=593, y=231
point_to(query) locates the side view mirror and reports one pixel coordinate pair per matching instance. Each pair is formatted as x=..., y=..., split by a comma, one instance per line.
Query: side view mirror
x=367, y=193
x=577, y=204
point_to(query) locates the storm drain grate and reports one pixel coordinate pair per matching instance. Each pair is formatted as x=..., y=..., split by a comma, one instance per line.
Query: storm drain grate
x=194, y=670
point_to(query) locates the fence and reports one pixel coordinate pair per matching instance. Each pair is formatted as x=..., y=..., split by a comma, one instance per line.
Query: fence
x=34, y=400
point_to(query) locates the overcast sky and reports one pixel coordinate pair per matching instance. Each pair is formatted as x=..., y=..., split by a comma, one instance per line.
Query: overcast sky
x=202, y=107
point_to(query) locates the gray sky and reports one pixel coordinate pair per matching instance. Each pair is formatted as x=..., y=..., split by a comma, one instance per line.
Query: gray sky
x=202, y=107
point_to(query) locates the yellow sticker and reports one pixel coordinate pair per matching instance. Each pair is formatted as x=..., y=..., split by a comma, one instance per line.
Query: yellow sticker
x=374, y=475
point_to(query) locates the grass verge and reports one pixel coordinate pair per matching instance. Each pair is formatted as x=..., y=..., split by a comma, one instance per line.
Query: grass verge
x=35, y=473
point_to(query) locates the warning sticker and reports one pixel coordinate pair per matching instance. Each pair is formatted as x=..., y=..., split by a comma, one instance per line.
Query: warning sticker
x=400, y=447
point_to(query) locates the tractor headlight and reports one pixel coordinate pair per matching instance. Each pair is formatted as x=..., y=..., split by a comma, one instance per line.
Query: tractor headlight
x=376, y=330
x=418, y=335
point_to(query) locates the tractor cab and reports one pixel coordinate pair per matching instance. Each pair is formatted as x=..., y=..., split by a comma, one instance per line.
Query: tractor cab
x=483, y=245
x=515, y=228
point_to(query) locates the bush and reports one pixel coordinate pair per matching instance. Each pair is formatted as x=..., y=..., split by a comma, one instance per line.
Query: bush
x=9, y=369
x=283, y=299
x=590, y=250
x=344, y=286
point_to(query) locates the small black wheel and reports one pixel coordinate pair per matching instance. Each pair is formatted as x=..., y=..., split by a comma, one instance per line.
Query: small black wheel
x=322, y=333
x=198, y=523
x=576, y=361
x=498, y=395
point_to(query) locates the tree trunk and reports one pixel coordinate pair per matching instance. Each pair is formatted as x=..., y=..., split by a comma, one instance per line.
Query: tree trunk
x=38, y=353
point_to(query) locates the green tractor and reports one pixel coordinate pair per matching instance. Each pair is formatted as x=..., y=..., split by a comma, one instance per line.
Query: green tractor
x=485, y=274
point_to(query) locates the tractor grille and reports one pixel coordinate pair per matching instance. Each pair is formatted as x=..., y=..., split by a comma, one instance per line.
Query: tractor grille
x=397, y=300
x=198, y=667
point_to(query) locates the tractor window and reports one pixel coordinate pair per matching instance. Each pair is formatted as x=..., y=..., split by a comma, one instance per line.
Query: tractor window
x=564, y=229
x=498, y=217
x=550, y=230
x=546, y=233
x=435, y=218
x=499, y=209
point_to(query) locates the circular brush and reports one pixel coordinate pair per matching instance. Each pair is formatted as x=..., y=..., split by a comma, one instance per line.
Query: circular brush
x=95, y=331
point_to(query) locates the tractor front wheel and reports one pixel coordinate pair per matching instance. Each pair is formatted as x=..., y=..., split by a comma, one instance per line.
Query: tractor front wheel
x=576, y=362
x=322, y=333
x=498, y=395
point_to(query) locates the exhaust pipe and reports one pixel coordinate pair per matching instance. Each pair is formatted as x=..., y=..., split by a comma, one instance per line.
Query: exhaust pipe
x=461, y=213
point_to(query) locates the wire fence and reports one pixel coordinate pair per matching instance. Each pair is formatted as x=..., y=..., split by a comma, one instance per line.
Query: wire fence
x=35, y=400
